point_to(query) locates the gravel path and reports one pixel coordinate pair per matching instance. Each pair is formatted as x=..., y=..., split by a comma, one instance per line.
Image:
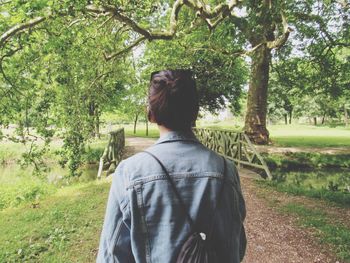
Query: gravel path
x=272, y=236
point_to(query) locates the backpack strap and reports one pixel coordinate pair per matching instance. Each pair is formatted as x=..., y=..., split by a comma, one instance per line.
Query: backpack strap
x=183, y=206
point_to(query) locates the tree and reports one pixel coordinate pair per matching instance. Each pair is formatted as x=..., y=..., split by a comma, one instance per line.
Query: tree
x=55, y=79
x=220, y=78
x=313, y=71
x=257, y=27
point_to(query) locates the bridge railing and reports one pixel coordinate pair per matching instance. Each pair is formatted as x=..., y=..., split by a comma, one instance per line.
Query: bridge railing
x=235, y=146
x=113, y=152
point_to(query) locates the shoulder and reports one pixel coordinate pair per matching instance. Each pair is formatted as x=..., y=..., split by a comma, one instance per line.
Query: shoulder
x=137, y=165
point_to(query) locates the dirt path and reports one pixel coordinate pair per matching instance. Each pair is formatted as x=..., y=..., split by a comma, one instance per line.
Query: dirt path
x=272, y=237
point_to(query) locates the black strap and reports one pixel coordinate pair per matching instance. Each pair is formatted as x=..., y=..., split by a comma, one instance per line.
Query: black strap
x=190, y=221
x=183, y=206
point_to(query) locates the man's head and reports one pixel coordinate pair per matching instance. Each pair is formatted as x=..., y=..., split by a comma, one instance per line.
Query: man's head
x=173, y=99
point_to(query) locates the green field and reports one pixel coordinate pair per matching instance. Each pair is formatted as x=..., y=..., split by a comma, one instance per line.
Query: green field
x=64, y=227
x=309, y=136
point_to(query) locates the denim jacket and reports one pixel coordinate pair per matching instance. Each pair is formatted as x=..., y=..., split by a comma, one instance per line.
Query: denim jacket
x=144, y=222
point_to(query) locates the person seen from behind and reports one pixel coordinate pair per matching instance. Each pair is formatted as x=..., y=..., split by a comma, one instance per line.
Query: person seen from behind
x=177, y=201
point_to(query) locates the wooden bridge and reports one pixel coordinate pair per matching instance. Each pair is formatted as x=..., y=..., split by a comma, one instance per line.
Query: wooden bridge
x=235, y=146
x=113, y=152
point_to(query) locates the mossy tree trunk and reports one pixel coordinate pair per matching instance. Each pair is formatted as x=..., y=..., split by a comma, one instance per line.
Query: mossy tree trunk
x=255, y=119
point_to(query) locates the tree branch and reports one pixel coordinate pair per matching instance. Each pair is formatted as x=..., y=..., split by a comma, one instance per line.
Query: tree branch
x=2, y=71
x=117, y=14
x=225, y=52
x=211, y=16
x=127, y=49
x=20, y=27
x=102, y=75
x=207, y=13
x=281, y=40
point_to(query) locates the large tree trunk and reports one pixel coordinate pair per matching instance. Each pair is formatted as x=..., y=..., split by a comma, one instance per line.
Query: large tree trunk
x=255, y=119
x=315, y=121
x=285, y=118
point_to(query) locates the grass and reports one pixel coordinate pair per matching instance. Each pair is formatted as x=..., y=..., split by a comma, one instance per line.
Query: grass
x=9, y=151
x=327, y=230
x=65, y=227
x=19, y=185
x=323, y=176
x=341, y=198
x=309, y=136
x=152, y=133
x=306, y=160
x=24, y=190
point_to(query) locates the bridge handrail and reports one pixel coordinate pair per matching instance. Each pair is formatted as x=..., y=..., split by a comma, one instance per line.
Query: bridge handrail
x=235, y=146
x=112, y=154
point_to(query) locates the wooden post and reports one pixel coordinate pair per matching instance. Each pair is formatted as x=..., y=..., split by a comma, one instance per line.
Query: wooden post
x=239, y=149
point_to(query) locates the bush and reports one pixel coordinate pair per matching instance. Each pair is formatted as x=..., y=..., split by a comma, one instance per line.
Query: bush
x=92, y=155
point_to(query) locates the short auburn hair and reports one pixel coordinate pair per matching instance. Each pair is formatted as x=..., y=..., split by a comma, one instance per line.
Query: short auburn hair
x=173, y=99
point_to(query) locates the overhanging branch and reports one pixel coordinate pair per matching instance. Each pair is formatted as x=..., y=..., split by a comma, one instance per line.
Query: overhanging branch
x=127, y=49
x=281, y=40
x=20, y=27
x=207, y=13
x=211, y=16
x=118, y=15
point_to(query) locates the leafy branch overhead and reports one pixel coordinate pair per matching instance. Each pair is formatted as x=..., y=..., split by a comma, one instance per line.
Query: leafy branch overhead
x=210, y=16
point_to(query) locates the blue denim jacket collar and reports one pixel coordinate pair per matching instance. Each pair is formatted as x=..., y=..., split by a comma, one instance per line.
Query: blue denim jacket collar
x=177, y=136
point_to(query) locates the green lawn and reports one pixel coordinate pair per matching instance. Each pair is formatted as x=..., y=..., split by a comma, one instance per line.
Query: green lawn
x=64, y=227
x=309, y=136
